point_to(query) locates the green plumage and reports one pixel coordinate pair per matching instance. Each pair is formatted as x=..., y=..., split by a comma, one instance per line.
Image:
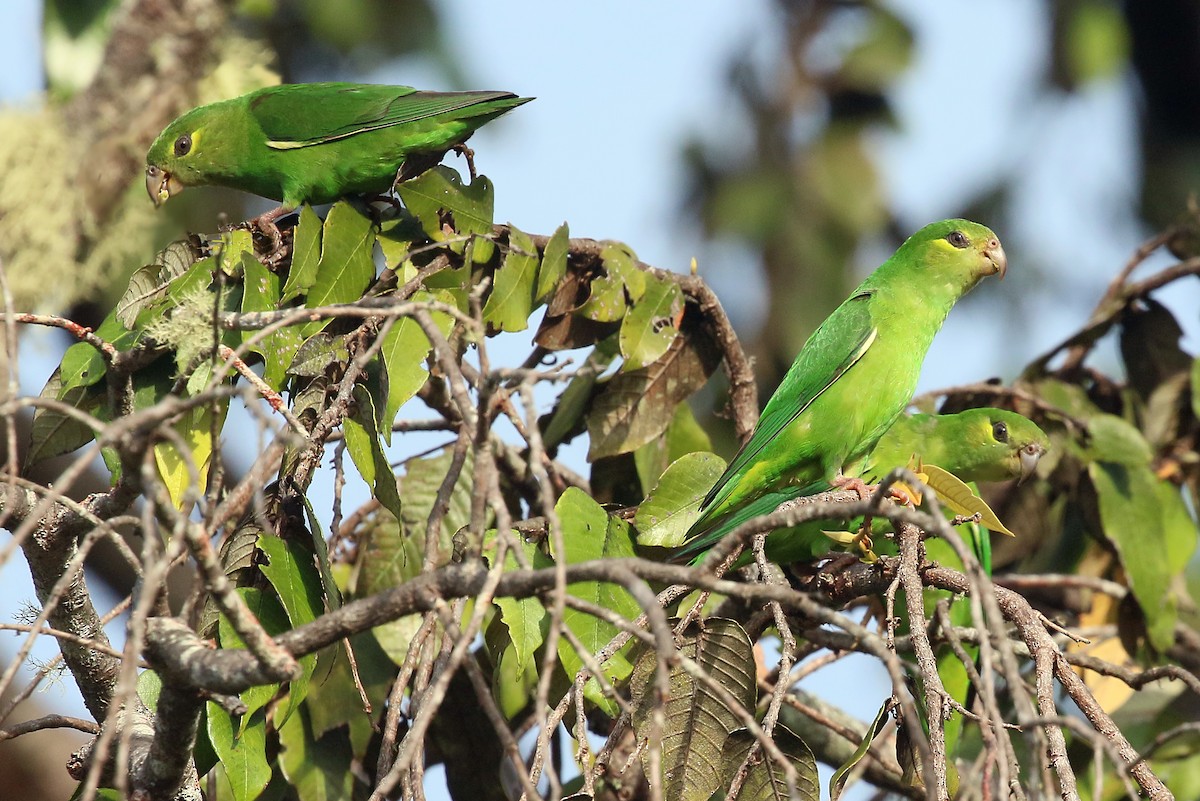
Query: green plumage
x=975, y=445
x=314, y=143
x=852, y=378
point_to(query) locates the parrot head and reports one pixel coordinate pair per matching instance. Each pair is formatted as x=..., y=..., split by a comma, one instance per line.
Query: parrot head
x=1008, y=444
x=185, y=153
x=958, y=253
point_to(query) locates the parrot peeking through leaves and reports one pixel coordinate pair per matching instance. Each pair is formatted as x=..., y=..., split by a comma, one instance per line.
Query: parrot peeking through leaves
x=851, y=380
x=317, y=142
x=976, y=445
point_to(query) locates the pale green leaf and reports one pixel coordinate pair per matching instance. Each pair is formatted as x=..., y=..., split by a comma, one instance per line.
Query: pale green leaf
x=306, y=254
x=511, y=300
x=663, y=519
x=366, y=450
x=554, y=263
x=243, y=755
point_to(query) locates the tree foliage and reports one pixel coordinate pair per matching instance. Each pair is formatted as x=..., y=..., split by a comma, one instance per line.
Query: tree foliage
x=494, y=610
x=348, y=644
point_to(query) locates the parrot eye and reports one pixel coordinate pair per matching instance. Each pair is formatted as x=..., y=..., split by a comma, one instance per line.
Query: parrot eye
x=1000, y=431
x=183, y=145
x=956, y=238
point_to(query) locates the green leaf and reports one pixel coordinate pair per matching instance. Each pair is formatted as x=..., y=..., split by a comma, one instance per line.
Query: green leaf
x=54, y=433
x=607, y=293
x=362, y=441
x=1114, y=440
x=243, y=755
x=1132, y=519
x=437, y=198
x=335, y=701
x=649, y=326
x=1196, y=387
x=697, y=720
x=318, y=769
x=663, y=519
x=388, y=559
x=82, y=365
x=525, y=618
x=317, y=354
x=1179, y=529
x=293, y=573
x=684, y=435
x=306, y=255
x=837, y=781
x=765, y=780
x=566, y=418
x=421, y=483
x=261, y=294
x=637, y=406
x=274, y=620
x=511, y=300
x=403, y=352
x=347, y=263
x=590, y=533
x=514, y=681
x=554, y=263
x=397, y=237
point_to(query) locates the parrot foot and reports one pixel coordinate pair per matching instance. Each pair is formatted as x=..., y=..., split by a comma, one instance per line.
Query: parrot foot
x=468, y=154
x=267, y=225
x=865, y=491
x=853, y=484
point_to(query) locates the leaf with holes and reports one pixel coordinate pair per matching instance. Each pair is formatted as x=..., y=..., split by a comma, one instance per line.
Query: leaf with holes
x=446, y=208
x=649, y=326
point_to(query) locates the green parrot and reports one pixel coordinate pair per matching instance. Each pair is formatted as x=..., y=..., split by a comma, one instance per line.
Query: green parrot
x=851, y=380
x=975, y=445
x=316, y=142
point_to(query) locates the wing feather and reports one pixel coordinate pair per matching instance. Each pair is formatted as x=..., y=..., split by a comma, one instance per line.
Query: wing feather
x=303, y=115
x=836, y=346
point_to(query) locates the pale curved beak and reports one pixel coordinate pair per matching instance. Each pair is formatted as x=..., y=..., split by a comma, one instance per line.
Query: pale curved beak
x=1030, y=455
x=161, y=184
x=994, y=253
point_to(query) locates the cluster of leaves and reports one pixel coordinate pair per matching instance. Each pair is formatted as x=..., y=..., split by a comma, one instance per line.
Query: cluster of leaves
x=368, y=315
x=205, y=303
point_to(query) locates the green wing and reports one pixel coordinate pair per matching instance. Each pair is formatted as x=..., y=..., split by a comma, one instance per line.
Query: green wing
x=833, y=348
x=301, y=115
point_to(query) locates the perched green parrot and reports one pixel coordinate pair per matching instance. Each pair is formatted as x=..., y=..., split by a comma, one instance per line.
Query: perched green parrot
x=316, y=142
x=975, y=445
x=851, y=380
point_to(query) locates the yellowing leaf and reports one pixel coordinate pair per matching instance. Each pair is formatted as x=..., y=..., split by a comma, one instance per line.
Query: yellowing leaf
x=195, y=428
x=1110, y=691
x=960, y=499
